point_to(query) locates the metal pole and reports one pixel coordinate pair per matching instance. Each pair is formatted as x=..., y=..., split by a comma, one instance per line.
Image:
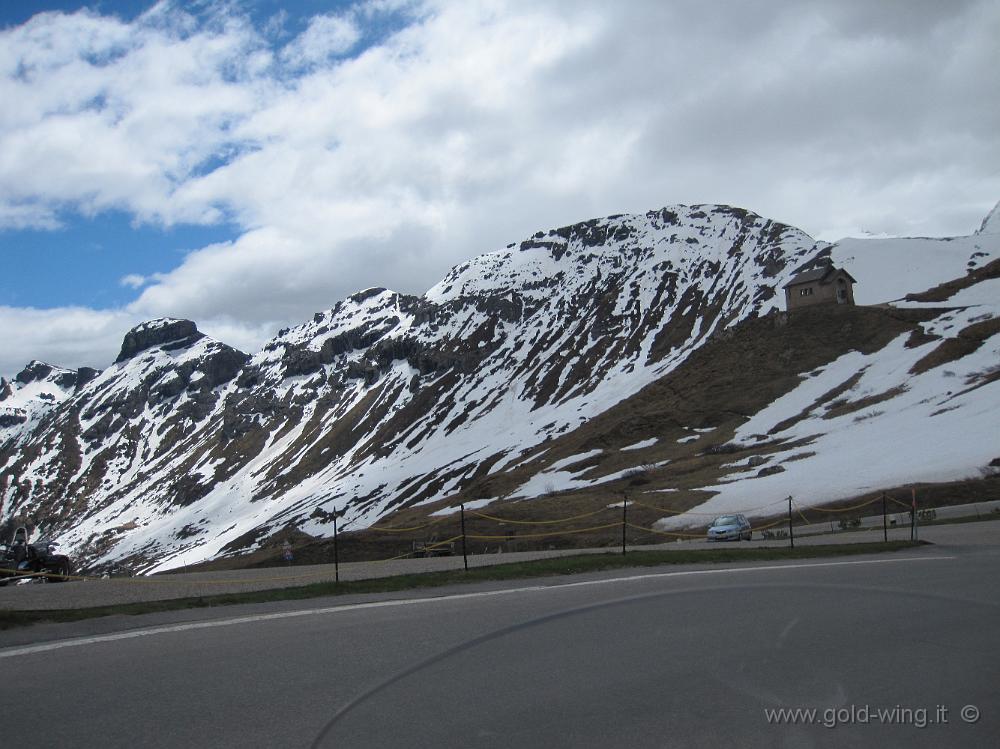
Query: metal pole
x=885, y=525
x=791, y=533
x=465, y=555
x=336, y=554
x=916, y=533
x=624, y=519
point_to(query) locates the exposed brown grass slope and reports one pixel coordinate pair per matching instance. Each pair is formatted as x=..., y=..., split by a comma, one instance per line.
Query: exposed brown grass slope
x=715, y=390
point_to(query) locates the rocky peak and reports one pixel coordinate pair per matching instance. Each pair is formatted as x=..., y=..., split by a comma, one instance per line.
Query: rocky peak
x=35, y=371
x=365, y=294
x=35, y=390
x=40, y=372
x=166, y=332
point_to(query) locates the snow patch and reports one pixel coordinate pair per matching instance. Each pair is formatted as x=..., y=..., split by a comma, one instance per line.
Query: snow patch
x=472, y=504
x=640, y=445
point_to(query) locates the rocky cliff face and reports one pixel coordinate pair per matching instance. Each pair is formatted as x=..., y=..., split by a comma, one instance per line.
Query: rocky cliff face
x=185, y=448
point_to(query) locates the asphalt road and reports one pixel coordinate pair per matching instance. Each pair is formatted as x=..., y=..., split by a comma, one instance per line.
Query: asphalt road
x=161, y=587
x=678, y=657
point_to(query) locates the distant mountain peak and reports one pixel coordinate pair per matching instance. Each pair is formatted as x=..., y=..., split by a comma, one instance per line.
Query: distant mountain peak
x=34, y=371
x=41, y=372
x=35, y=390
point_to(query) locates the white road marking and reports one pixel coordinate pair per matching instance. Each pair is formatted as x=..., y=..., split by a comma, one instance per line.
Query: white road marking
x=79, y=641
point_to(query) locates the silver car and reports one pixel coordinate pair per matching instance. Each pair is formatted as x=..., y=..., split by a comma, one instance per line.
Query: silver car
x=730, y=528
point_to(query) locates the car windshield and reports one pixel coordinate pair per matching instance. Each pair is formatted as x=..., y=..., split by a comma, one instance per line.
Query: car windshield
x=726, y=520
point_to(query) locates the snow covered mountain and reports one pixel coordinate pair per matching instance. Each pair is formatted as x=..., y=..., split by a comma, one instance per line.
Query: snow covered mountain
x=524, y=372
x=35, y=390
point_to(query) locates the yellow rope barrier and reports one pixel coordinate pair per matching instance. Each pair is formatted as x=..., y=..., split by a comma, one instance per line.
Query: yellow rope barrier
x=698, y=535
x=691, y=512
x=664, y=533
x=402, y=530
x=23, y=575
x=150, y=579
x=669, y=511
x=539, y=522
x=442, y=543
x=287, y=577
x=799, y=510
x=483, y=537
x=430, y=546
x=847, y=509
x=542, y=535
x=782, y=521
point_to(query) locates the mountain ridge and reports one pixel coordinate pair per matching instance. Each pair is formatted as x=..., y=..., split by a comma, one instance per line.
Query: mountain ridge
x=185, y=447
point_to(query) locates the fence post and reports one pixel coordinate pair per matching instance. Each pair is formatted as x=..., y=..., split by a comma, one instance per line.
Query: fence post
x=624, y=519
x=465, y=555
x=914, y=524
x=791, y=533
x=336, y=553
x=885, y=525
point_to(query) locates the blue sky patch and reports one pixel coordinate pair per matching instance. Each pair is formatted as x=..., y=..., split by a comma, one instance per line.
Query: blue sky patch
x=83, y=262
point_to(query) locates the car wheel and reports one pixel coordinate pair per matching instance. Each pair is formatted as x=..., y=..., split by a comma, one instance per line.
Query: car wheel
x=62, y=573
x=749, y=535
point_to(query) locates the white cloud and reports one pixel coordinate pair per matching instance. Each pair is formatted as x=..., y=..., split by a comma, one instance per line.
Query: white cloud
x=114, y=115
x=133, y=281
x=326, y=38
x=18, y=216
x=67, y=336
x=475, y=124
x=81, y=337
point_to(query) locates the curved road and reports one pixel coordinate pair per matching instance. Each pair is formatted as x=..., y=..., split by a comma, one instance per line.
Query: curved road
x=680, y=657
x=97, y=592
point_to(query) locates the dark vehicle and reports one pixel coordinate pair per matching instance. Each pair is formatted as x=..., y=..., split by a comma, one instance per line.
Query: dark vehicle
x=21, y=560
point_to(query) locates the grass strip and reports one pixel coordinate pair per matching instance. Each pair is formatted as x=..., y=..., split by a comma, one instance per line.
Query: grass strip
x=516, y=570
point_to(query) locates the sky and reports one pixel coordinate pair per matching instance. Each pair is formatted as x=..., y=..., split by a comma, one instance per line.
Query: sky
x=246, y=163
